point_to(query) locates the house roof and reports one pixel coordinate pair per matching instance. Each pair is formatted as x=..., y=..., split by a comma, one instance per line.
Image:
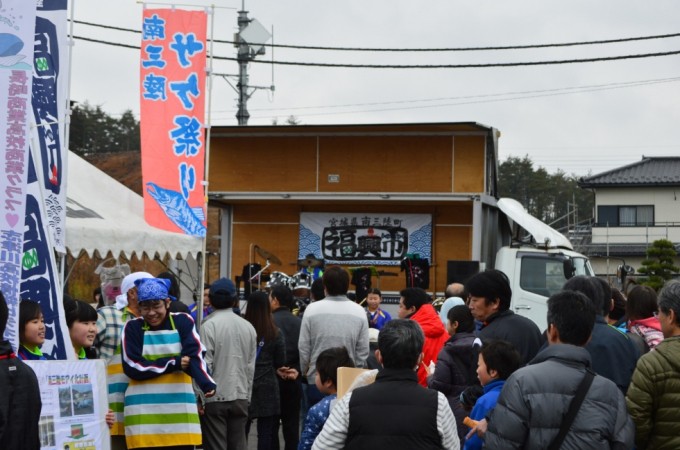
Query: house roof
x=375, y=128
x=650, y=171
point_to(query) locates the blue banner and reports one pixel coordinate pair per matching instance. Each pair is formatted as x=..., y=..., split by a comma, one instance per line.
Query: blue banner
x=40, y=280
x=46, y=199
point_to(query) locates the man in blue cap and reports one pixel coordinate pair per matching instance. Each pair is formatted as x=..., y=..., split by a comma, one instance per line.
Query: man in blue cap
x=230, y=343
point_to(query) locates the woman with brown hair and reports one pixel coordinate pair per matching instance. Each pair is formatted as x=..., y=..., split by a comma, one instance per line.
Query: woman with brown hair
x=270, y=356
x=642, y=309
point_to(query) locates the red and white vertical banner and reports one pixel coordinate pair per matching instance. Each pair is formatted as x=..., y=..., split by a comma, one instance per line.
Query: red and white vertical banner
x=172, y=95
x=17, y=25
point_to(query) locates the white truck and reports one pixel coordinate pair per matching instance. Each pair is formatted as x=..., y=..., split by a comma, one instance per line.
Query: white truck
x=538, y=261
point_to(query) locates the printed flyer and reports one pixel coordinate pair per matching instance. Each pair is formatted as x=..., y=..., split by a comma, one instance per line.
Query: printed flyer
x=74, y=404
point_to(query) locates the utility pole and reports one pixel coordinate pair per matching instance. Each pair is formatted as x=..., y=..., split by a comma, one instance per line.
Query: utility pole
x=250, y=42
x=243, y=58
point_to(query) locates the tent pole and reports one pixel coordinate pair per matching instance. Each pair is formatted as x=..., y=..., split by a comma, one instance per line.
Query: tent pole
x=62, y=268
x=177, y=274
x=201, y=258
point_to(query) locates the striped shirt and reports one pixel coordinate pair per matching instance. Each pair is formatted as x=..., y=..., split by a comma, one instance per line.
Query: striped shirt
x=334, y=433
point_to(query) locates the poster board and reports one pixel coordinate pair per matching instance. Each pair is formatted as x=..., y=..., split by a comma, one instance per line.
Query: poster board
x=74, y=404
x=348, y=376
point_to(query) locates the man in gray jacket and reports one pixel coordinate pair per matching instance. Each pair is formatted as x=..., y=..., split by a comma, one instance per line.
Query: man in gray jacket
x=230, y=343
x=332, y=322
x=535, y=399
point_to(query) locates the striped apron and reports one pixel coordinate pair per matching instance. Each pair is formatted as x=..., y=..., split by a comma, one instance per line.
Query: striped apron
x=162, y=411
x=118, y=383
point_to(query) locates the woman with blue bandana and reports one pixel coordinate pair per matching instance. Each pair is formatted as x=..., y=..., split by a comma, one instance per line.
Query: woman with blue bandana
x=162, y=352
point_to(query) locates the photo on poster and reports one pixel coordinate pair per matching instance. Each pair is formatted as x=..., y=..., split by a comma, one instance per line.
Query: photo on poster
x=83, y=399
x=65, y=402
x=47, y=433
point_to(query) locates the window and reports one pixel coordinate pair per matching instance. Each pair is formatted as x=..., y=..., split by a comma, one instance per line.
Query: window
x=545, y=275
x=645, y=215
x=542, y=276
x=608, y=215
x=625, y=216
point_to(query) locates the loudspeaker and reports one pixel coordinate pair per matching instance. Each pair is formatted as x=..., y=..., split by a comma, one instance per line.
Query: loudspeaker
x=460, y=271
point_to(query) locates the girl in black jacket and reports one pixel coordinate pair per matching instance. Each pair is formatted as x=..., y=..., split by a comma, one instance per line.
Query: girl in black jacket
x=456, y=367
x=270, y=356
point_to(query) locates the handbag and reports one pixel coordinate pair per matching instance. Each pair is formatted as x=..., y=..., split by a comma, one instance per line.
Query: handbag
x=573, y=409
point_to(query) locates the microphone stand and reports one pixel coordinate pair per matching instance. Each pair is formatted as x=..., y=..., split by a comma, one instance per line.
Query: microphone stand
x=257, y=275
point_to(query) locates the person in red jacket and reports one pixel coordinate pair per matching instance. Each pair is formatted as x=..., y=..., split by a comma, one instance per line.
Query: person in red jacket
x=416, y=305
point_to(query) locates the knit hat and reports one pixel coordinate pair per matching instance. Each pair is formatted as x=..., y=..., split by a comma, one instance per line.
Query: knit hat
x=152, y=289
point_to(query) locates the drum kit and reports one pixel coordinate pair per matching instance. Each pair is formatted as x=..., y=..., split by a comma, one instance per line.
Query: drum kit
x=299, y=283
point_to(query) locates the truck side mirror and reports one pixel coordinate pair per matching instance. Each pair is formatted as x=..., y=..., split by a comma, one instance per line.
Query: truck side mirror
x=569, y=268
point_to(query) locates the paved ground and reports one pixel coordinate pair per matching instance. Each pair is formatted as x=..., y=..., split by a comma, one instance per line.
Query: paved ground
x=252, y=438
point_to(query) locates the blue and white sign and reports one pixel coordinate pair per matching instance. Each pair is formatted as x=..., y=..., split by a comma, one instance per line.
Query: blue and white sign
x=360, y=238
x=44, y=232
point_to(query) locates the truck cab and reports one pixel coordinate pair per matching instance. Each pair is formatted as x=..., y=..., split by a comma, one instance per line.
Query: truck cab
x=535, y=274
x=538, y=262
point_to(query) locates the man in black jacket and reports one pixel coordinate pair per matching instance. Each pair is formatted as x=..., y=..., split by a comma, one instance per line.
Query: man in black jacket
x=394, y=412
x=19, y=396
x=489, y=295
x=613, y=353
x=290, y=384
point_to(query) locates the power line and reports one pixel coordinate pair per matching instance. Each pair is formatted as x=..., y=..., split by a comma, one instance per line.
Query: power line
x=443, y=49
x=421, y=66
x=539, y=94
x=113, y=44
x=572, y=89
x=522, y=96
x=465, y=66
x=468, y=49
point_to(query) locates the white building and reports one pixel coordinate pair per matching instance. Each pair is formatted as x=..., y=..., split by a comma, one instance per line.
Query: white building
x=634, y=206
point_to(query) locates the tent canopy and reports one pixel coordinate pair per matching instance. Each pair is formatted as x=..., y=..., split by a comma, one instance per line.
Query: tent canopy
x=105, y=216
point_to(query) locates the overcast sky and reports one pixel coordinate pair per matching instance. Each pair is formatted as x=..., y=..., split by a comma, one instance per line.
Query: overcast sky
x=575, y=117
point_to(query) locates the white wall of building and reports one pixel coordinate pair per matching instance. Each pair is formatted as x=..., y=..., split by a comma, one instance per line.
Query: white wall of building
x=666, y=202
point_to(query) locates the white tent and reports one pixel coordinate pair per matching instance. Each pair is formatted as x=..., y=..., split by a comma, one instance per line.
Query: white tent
x=104, y=215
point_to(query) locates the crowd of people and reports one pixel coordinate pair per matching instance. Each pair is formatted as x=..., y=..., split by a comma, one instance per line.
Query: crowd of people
x=604, y=374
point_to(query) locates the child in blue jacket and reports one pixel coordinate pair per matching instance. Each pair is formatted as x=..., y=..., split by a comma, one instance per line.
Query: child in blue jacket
x=497, y=361
x=327, y=382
